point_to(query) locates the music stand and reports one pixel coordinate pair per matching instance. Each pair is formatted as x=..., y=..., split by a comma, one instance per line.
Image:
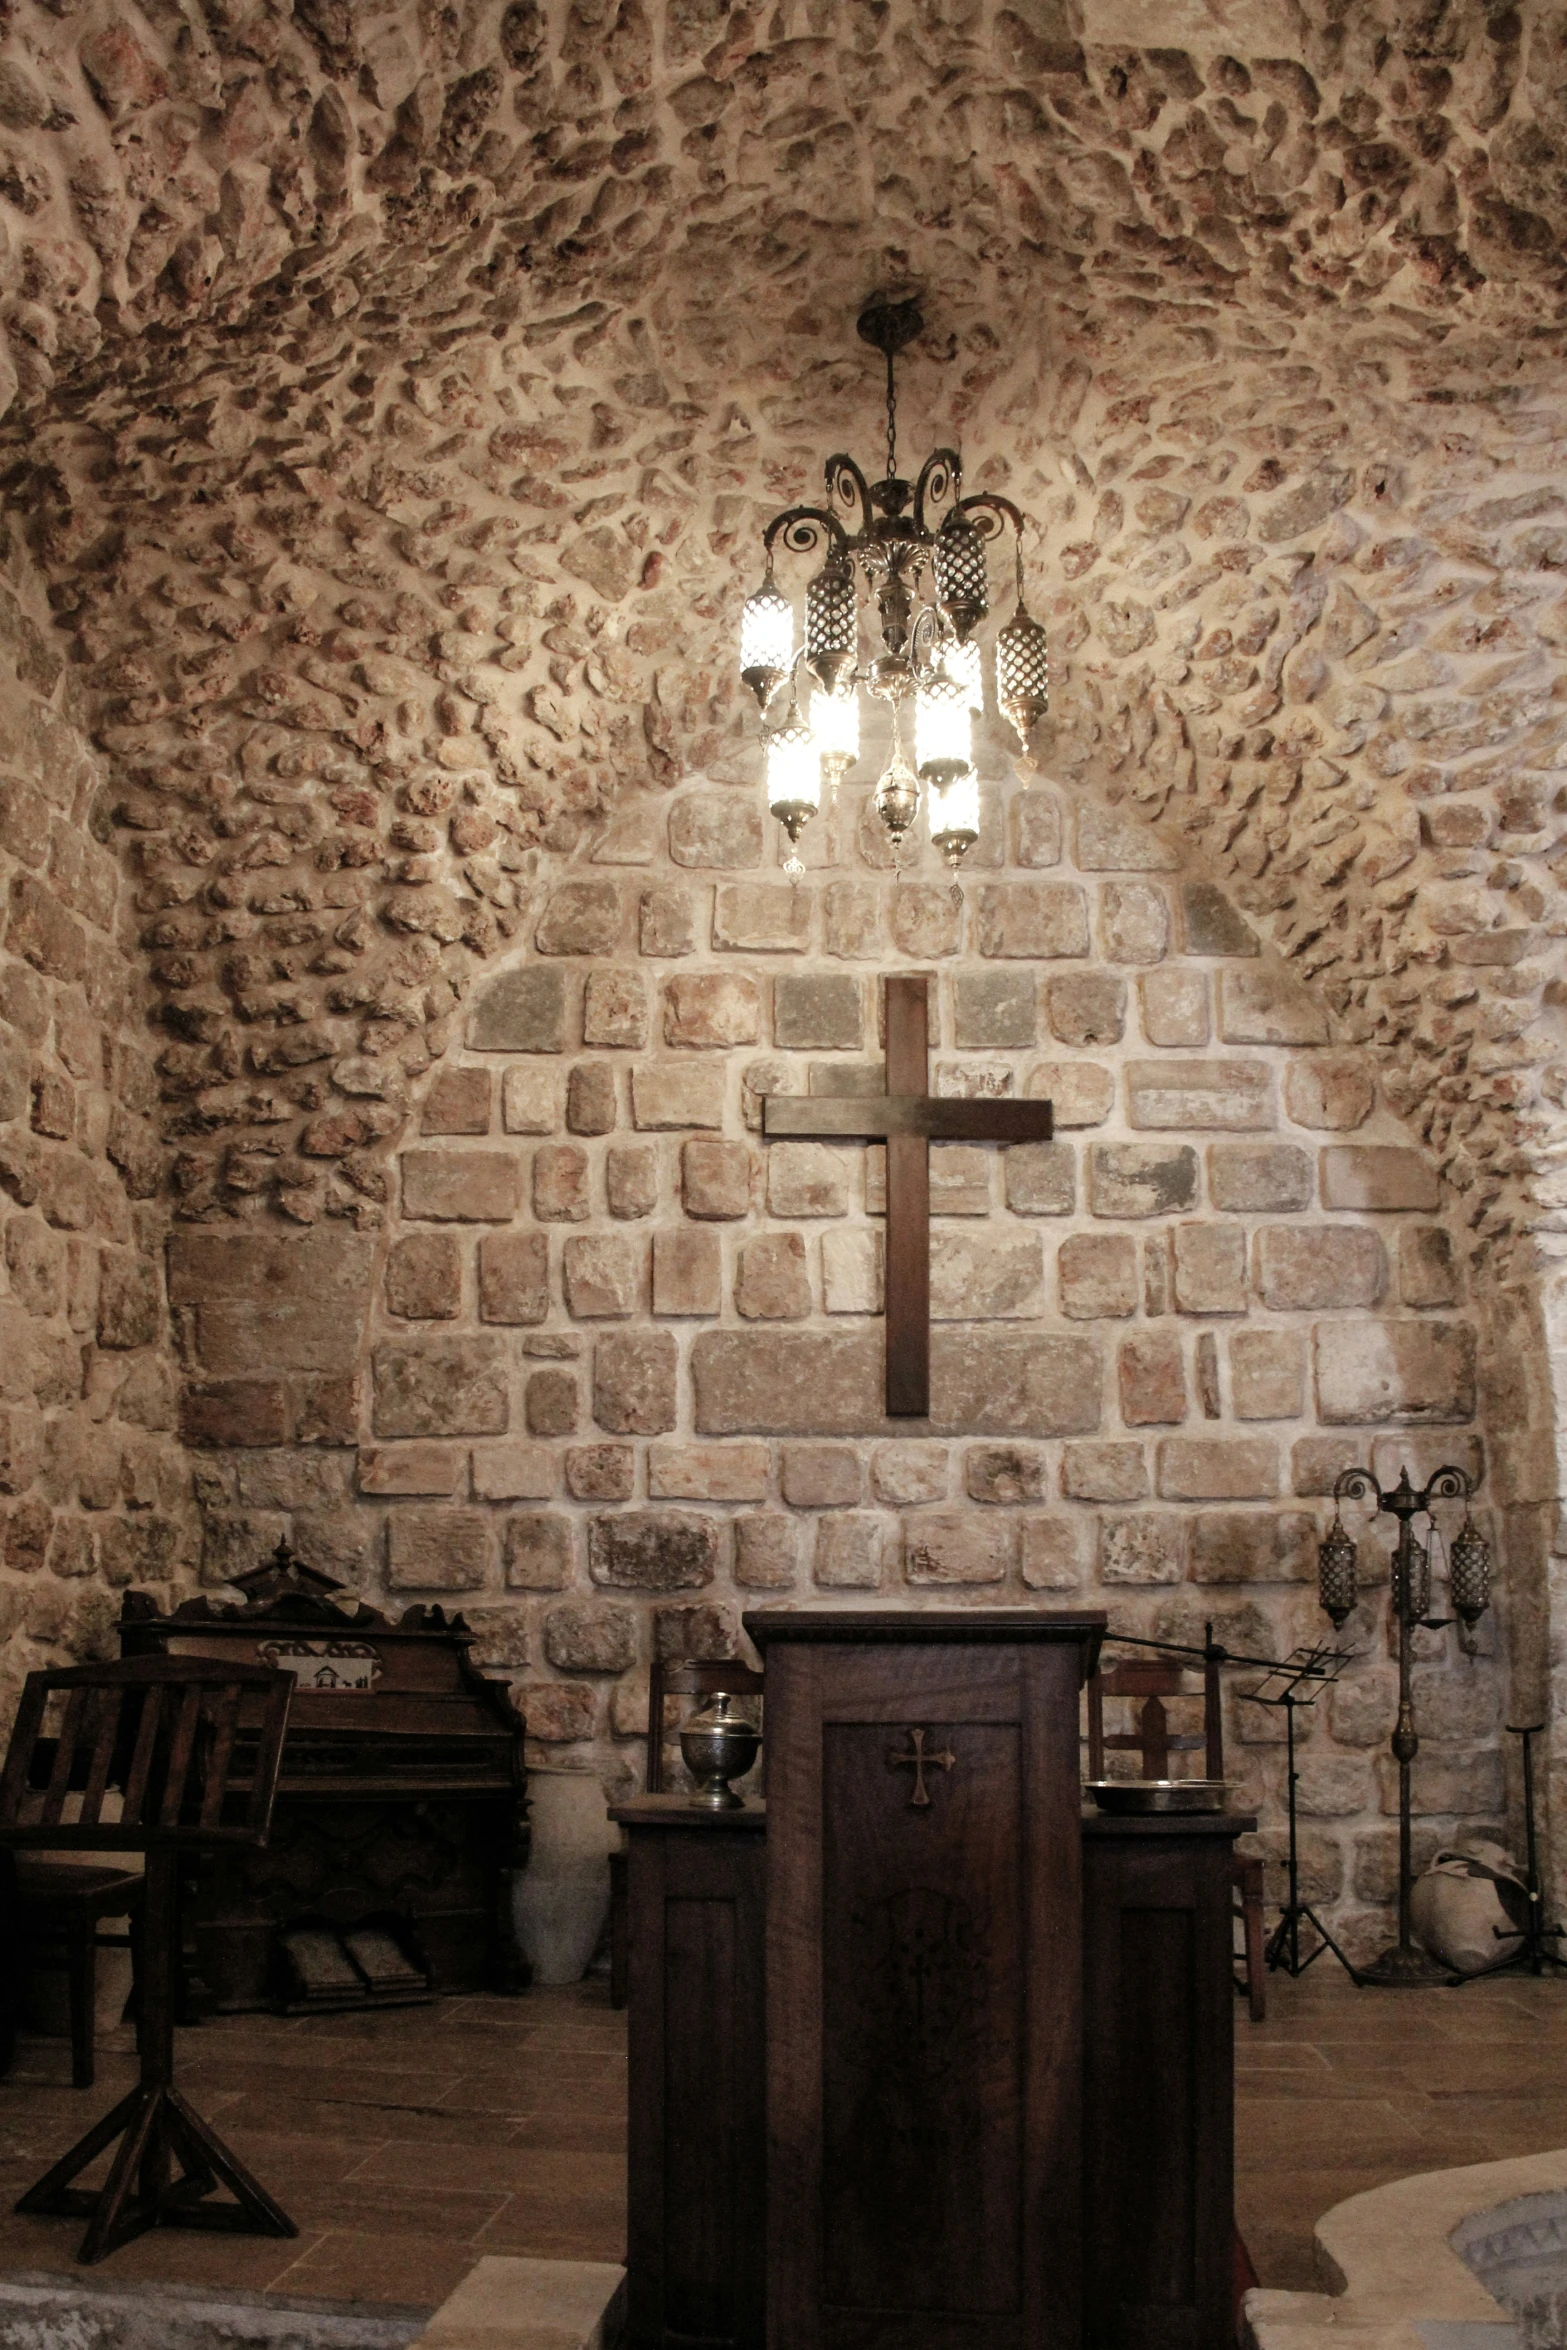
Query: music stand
x=1312, y=1670
x=194, y=1745
x=1531, y=1951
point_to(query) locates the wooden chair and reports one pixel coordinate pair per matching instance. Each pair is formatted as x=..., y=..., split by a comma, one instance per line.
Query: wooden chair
x=55, y=1910
x=194, y=1746
x=711, y=1677
x=1149, y=1684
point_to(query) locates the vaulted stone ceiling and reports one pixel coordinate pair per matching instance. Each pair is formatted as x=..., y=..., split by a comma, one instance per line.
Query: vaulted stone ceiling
x=398, y=390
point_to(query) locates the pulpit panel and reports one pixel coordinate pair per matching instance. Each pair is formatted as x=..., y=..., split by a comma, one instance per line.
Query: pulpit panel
x=924, y=1979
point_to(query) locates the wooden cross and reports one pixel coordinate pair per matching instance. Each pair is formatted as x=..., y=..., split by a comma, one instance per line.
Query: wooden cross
x=909, y=1118
x=918, y=1761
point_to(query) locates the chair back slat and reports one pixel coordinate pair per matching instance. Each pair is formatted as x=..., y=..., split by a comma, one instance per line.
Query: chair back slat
x=64, y=1757
x=168, y=1731
x=136, y=1779
x=107, y=1711
x=181, y=1749
x=225, y=1719
x=1146, y=1683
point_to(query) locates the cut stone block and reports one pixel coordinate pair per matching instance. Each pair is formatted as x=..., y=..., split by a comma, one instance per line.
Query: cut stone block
x=530, y=1100
x=1151, y=1373
x=852, y=1280
x=634, y=1382
x=1427, y=1266
x=716, y=829
x=771, y=1284
x=1175, y=1007
x=665, y=1097
x=1044, y=919
x=1261, y=1006
x=818, y=1012
x=1141, y=1178
x=1210, y=1269
x=687, y=1271
x=615, y=1009
x=806, y=1179
x=666, y=922
x=1097, y=1275
x=1218, y=1468
x=458, y=1102
x=1253, y=1546
x=715, y=1180
x=653, y=1550
x=903, y=1475
x=707, y=1472
x=1080, y=1093
x=1145, y=1546
x=590, y=1636
x=1329, y=1091
x=471, y=1187
x=1232, y=1094
x=923, y=921
x=851, y=914
x=1004, y=1473
x=514, y=1472
x=1305, y=1268
x=1380, y=1177
x=1052, y=1552
x=523, y=1011
x=580, y=918
x=994, y=1010
x=830, y=1383
x=424, y=1277
x=1268, y=1374
x=1114, y=840
x=590, y=1098
x=560, y=1183
x=439, y=1387
x=601, y=1472
x=709, y=1011
x=848, y=1553
x=601, y=1276
x=820, y=1476
x=1036, y=829
x=1134, y=922
x=411, y=1468
x=438, y=1550
x=1041, y=1178
x=552, y=1403
x=761, y=917
x=985, y=1276
x=767, y=1551
x=1086, y=1007
x=1213, y=927
x=1103, y=1472
x=958, y=1548
x=514, y=1277
x=1394, y=1372
x=1251, y=1177
x=631, y=1180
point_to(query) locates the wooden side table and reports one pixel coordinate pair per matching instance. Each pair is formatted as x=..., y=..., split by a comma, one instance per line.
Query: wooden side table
x=696, y=2159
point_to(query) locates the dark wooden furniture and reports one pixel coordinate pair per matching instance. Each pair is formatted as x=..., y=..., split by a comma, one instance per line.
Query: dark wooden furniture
x=55, y=1909
x=1157, y=2128
x=402, y=1791
x=910, y=1118
x=696, y=2153
x=704, y=1677
x=924, y=1987
x=193, y=1747
x=1151, y=1686
x=1158, y=2082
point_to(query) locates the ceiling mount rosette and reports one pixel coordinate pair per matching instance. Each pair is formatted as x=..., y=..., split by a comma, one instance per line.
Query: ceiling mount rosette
x=901, y=587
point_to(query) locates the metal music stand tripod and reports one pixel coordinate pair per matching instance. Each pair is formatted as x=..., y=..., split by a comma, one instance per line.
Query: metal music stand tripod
x=1309, y=1670
x=1531, y=1952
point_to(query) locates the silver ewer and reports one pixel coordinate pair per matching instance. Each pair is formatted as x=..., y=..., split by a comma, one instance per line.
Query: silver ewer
x=718, y=1746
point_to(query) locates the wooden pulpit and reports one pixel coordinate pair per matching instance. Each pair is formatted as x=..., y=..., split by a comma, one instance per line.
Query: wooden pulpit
x=924, y=1977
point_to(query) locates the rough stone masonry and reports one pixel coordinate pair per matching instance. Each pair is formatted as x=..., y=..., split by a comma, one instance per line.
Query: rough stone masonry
x=393, y=399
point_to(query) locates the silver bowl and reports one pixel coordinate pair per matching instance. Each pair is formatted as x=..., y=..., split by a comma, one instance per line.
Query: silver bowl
x=1159, y=1795
x=718, y=1746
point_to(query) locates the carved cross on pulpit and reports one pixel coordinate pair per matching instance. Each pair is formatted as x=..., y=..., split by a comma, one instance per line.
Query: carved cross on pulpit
x=910, y=1118
x=918, y=1761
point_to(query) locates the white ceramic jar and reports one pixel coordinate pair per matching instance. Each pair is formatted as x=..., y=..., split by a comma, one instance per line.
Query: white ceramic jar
x=561, y=1899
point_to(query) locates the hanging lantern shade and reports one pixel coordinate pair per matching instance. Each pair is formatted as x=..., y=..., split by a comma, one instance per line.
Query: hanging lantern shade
x=1415, y=1601
x=1022, y=673
x=1469, y=1572
x=766, y=641
x=831, y=624
x=1337, y=1584
x=942, y=729
x=954, y=817
x=965, y=664
x=962, y=586
x=897, y=800
x=794, y=776
x=835, y=722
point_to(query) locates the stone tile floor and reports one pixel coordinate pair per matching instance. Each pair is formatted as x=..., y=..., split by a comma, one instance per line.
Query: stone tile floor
x=409, y=2142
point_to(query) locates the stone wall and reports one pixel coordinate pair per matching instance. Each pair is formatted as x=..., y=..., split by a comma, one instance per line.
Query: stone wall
x=96, y=1490
x=618, y=1358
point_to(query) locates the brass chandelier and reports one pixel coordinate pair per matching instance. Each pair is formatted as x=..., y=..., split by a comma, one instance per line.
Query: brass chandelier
x=912, y=555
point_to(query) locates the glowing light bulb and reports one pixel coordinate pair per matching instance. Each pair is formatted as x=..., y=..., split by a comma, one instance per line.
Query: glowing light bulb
x=954, y=817
x=794, y=779
x=964, y=663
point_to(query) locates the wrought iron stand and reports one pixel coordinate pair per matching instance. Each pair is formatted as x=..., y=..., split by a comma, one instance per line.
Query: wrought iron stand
x=1311, y=1669
x=1531, y=1952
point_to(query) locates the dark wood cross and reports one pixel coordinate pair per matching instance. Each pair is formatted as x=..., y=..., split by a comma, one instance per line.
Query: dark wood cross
x=919, y=1762
x=910, y=1118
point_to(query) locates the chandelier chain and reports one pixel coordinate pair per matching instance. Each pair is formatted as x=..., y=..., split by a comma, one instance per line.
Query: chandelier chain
x=892, y=422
